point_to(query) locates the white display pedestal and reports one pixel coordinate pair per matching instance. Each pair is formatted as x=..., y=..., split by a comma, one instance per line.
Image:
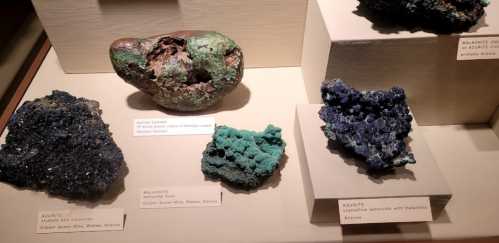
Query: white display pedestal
x=330, y=175
x=339, y=43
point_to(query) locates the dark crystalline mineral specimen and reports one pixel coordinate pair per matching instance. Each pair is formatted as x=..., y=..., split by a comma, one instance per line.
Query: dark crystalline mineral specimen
x=243, y=159
x=182, y=71
x=441, y=16
x=60, y=144
x=372, y=124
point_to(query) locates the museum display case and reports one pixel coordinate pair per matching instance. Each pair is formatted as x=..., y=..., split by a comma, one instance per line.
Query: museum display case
x=256, y=121
x=20, y=36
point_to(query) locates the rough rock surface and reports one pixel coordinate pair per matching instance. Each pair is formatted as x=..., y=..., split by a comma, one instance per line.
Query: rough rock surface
x=241, y=158
x=183, y=71
x=443, y=16
x=60, y=144
x=371, y=124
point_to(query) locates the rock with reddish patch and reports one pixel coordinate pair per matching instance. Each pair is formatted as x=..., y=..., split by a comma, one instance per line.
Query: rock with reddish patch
x=183, y=71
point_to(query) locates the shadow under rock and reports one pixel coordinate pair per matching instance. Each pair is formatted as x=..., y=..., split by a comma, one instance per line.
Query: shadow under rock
x=353, y=233
x=378, y=177
x=385, y=25
x=271, y=182
x=482, y=23
x=235, y=100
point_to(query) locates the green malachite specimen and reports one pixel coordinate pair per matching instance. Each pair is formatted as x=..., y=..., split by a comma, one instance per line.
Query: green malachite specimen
x=241, y=158
x=183, y=71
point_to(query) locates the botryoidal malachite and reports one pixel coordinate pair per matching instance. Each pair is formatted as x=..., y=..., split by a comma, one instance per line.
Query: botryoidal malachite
x=243, y=159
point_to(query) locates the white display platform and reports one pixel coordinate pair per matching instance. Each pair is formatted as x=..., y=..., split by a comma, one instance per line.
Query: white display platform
x=467, y=155
x=270, y=32
x=330, y=175
x=339, y=43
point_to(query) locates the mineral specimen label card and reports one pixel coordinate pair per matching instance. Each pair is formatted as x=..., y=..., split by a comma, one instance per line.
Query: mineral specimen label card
x=80, y=220
x=174, y=126
x=476, y=48
x=181, y=197
x=385, y=210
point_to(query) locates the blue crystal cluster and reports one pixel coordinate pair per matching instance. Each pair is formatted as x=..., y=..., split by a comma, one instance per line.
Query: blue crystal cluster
x=60, y=144
x=441, y=16
x=372, y=124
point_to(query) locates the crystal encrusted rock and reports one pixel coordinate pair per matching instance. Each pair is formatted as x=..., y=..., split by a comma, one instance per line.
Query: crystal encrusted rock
x=445, y=16
x=60, y=144
x=241, y=158
x=182, y=71
x=372, y=124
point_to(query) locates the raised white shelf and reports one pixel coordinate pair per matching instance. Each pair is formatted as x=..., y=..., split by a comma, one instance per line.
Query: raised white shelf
x=330, y=175
x=467, y=156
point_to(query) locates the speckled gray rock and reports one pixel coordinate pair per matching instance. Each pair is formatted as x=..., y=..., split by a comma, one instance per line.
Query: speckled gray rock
x=60, y=144
x=183, y=71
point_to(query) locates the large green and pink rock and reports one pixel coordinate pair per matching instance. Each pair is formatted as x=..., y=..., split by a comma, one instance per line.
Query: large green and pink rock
x=183, y=71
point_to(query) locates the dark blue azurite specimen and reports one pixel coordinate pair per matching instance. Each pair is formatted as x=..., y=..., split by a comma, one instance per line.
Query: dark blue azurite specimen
x=241, y=158
x=441, y=16
x=371, y=124
x=60, y=144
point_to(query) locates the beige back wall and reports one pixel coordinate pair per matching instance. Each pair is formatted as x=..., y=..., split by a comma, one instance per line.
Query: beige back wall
x=440, y=89
x=269, y=31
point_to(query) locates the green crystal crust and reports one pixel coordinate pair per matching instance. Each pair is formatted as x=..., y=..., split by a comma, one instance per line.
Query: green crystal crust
x=184, y=71
x=243, y=159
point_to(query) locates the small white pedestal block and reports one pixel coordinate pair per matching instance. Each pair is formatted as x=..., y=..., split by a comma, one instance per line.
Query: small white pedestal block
x=270, y=32
x=329, y=175
x=339, y=43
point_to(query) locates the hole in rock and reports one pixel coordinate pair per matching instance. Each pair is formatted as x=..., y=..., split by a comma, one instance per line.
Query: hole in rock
x=231, y=57
x=199, y=76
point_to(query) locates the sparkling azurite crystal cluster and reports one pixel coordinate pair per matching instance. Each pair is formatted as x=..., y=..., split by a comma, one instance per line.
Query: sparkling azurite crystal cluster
x=60, y=144
x=372, y=124
x=241, y=158
x=183, y=71
x=445, y=16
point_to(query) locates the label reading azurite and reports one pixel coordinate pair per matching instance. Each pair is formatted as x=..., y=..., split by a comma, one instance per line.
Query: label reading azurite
x=109, y=219
x=385, y=210
x=476, y=48
x=174, y=126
